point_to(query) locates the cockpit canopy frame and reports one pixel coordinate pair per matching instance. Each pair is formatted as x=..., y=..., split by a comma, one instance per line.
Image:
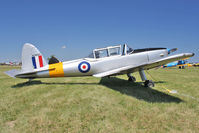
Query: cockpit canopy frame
x=118, y=50
x=107, y=52
x=110, y=51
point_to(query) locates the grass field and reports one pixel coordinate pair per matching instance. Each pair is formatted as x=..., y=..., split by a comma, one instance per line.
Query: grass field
x=105, y=105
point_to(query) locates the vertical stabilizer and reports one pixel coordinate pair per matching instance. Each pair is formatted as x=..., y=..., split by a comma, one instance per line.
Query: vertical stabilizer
x=31, y=58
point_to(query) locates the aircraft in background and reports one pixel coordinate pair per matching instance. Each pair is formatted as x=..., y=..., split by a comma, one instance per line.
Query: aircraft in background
x=181, y=64
x=9, y=63
x=196, y=65
x=103, y=62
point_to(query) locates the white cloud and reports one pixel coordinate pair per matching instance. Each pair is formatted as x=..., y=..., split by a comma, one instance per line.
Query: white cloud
x=63, y=47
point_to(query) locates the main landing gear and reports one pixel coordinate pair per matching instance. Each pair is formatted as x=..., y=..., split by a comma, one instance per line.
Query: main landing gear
x=147, y=83
x=131, y=78
x=181, y=67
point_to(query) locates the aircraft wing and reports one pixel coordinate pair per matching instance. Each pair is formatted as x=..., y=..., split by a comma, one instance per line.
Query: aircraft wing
x=146, y=65
x=112, y=72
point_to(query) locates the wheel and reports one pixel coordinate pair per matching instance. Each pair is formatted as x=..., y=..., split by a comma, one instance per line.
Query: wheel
x=149, y=83
x=131, y=78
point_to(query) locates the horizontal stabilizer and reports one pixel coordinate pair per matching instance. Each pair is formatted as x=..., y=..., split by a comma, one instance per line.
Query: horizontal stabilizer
x=12, y=73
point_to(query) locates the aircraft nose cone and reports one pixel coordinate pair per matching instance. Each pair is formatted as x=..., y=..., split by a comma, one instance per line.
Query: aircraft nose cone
x=193, y=54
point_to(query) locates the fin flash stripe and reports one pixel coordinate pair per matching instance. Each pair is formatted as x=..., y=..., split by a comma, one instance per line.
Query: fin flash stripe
x=37, y=61
x=34, y=62
x=41, y=61
x=56, y=70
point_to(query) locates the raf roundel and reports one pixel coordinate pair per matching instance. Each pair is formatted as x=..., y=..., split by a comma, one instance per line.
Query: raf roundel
x=84, y=67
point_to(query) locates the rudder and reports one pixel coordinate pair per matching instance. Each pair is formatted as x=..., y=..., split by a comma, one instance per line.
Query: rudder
x=31, y=58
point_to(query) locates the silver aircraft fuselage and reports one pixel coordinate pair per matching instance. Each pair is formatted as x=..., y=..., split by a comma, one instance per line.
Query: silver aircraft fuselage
x=103, y=62
x=100, y=65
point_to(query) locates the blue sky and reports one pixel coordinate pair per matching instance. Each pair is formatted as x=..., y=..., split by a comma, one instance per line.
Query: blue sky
x=83, y=25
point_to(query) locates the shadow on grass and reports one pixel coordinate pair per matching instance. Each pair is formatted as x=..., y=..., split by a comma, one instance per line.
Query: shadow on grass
x=38, y=82
x=29, y=83
x=136, y=89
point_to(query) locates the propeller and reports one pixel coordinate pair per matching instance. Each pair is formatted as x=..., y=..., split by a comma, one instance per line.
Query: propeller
x=172, y=50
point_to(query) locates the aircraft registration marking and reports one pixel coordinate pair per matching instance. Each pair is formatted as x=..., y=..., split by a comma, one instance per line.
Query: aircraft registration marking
x=56, y=70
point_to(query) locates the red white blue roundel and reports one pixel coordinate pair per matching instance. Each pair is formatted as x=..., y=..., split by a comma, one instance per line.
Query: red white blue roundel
x=84, y=67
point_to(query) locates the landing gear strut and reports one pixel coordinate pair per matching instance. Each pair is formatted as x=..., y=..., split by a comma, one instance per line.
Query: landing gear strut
x=131, y=78
x=181, y=67
x=147, y=83
x=30, y=80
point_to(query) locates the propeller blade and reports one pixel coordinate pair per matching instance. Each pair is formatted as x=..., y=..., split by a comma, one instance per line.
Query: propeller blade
x=172, y=50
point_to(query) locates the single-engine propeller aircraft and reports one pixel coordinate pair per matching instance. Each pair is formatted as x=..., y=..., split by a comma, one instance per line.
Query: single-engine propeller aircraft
x=180, y=64
x=103, y=62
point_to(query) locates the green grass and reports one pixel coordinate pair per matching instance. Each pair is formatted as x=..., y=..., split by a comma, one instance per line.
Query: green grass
x=88, y=104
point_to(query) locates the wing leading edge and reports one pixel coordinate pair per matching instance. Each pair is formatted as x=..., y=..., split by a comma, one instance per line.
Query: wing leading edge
x=149, y=65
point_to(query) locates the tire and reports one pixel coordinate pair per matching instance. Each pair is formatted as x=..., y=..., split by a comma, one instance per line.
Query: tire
x=149, y=83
